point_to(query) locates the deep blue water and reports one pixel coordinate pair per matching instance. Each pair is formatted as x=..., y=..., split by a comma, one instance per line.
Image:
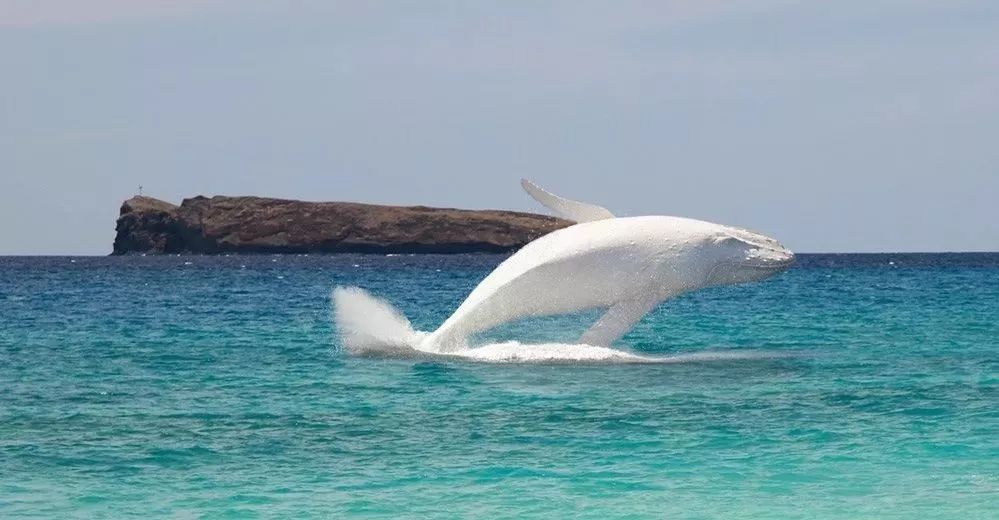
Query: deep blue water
x=213, y=387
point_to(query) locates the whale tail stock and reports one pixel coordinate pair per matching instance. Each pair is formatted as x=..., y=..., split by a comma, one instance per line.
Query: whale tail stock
x=368, y=324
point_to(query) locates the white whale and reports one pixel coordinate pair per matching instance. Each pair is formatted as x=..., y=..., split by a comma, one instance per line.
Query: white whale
x=625, y=265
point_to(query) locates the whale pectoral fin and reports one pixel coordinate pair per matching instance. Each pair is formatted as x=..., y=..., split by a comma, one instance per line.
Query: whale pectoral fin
x=565, y=208
x=618, y=320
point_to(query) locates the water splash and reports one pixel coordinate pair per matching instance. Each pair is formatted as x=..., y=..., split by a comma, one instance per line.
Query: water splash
x=371, y=327
x=370, y=324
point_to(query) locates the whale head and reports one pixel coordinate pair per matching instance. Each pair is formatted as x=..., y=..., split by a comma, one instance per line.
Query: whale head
x=739, y=256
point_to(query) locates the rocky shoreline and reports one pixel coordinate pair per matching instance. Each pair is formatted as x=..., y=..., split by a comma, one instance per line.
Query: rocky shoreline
x=220, y=224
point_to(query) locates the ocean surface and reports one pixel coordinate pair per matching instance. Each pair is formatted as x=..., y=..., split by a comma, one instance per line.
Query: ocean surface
x=851, y=386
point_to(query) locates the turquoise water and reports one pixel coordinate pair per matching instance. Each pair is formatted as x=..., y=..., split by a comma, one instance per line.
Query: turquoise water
x=213, y=387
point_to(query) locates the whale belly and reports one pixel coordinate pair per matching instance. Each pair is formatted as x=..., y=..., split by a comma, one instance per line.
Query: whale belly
x=593, y=266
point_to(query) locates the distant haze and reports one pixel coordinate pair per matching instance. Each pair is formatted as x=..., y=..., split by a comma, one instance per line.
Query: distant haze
x=833, y=126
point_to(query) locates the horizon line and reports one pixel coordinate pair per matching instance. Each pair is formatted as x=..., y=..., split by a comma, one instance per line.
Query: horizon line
x=320, y=253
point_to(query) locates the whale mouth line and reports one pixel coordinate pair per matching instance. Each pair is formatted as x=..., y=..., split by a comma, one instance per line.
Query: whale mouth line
x=779, y=264
x=770, y=259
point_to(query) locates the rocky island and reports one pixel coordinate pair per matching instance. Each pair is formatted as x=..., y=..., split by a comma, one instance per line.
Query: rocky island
x=265, y=225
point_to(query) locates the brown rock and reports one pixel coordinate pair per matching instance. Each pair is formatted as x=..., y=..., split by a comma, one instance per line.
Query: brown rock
x=263, y=225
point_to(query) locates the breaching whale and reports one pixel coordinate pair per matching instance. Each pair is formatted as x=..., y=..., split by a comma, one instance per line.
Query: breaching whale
x=626, y=265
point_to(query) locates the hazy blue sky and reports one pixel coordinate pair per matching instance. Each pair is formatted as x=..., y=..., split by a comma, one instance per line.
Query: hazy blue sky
x=834, y=126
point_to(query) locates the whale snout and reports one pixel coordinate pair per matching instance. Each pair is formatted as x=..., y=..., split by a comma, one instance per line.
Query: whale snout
x=775, y=258
x=760, y=251
x=789, y=259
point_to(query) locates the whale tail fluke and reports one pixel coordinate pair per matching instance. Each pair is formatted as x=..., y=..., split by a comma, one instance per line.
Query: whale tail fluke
x=369, y=325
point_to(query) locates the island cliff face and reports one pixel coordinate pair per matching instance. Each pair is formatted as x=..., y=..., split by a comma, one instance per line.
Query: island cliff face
x=264, y=225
